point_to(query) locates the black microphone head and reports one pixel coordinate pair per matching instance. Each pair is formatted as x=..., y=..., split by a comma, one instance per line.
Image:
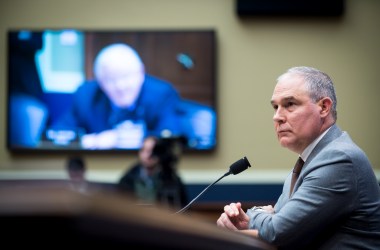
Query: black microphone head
x=239, y=166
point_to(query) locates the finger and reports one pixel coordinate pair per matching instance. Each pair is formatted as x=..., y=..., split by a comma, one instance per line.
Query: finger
x=226, y=208
x=230, y=210
x=235, y=208
x=238, y=207
x=219, y=223
x=227, y=222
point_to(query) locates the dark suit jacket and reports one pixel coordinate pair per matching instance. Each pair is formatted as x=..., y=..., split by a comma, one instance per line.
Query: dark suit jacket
x=92, y=110
x=335, y=204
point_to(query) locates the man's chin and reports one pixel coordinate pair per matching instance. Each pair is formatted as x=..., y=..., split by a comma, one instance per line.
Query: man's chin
x=284, y=142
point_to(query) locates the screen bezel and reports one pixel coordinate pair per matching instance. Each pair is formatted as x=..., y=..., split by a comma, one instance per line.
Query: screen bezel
x=213, y=101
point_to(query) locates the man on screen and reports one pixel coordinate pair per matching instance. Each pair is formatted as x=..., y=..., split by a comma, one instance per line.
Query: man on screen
x=123, y=104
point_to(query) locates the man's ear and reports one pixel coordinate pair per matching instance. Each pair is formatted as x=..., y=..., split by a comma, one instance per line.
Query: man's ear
x=326, y=105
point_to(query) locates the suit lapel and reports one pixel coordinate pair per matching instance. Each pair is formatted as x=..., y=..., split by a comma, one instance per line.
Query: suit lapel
x=331, y=135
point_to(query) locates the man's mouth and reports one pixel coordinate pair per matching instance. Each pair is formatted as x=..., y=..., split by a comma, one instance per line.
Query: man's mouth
x=280, y=132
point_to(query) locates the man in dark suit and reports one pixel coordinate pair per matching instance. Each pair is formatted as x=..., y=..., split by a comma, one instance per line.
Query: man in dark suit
x=335, y=202
x=123, y=105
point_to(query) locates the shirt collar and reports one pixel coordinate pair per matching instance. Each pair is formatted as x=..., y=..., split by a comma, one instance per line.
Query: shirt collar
x=305, y=154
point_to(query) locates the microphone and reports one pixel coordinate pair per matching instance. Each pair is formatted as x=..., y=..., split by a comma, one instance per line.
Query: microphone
x=236, y=168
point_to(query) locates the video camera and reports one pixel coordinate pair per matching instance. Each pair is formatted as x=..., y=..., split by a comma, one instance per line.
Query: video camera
x=169, y=149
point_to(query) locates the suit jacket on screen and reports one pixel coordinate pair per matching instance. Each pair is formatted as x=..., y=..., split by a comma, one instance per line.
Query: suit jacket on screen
x=92, y=110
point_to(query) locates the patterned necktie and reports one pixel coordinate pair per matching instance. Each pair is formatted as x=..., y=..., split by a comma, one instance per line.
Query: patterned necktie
x=296, y=172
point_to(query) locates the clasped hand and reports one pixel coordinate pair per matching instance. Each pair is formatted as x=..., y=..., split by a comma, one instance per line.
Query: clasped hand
x=234, y=218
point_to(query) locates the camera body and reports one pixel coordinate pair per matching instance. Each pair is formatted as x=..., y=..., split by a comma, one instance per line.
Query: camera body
x=169, y=150
x=171, y=189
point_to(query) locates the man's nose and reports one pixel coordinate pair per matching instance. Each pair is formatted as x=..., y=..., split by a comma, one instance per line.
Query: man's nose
x=279, y=115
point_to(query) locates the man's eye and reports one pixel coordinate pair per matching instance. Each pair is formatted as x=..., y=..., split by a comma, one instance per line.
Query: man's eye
x=275, y=107
x=289, y=104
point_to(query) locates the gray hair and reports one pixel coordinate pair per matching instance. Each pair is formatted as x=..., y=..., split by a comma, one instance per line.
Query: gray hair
x=318, y=83
x=123, y=53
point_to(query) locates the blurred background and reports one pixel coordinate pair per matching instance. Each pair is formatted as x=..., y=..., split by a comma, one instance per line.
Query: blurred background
x=252, y=51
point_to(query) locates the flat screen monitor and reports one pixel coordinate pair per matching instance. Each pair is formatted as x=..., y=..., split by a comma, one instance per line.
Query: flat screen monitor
x=102, y=90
